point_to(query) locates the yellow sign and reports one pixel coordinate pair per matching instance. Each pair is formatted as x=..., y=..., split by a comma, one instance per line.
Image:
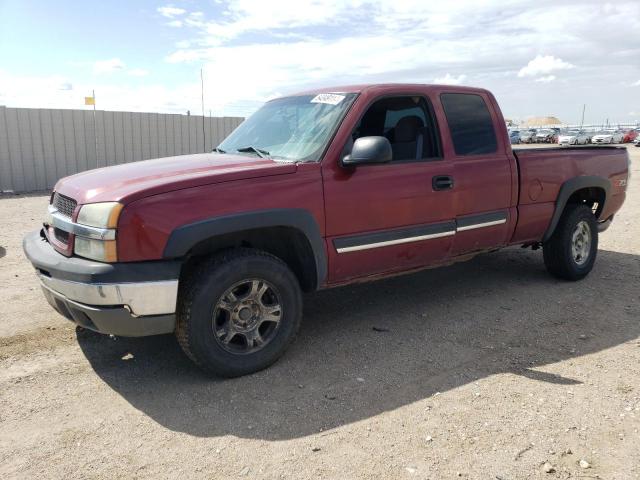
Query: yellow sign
x=89, y=100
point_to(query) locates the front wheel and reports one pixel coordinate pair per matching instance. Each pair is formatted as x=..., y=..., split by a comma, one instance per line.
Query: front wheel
x=571, y=251
x=238, y=312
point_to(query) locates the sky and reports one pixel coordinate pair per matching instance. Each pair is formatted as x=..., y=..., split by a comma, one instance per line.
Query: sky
x=538, y=57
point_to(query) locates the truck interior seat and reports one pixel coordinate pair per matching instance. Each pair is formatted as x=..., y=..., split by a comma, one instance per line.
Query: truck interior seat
x=408, y=138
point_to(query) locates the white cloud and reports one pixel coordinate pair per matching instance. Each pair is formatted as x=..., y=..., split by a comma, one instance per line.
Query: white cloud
x=170, y=11
x=243, y=16
x=45, y=92
x=636, y=84
x=449, y=79
x=175, y=23
x=108, y=66
x=547, y=79
x=542, y=65
x=294, y=66
x=30, y=91
x=117, y=65
x=252, y=50
x=313, y=43
x=138, y=72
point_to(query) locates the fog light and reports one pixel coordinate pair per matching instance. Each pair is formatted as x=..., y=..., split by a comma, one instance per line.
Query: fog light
x=101, y=250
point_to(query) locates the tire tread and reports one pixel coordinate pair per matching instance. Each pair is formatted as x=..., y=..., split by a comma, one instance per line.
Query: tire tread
x=189, y=289
x=556, y=258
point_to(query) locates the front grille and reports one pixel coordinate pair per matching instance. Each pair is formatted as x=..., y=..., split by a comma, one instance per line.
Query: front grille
x=61, y=235
x=64, y=205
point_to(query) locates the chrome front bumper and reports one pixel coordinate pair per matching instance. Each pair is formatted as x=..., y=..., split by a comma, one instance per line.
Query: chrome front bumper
x=126, y=299
x=110, y=320
x=144, y=298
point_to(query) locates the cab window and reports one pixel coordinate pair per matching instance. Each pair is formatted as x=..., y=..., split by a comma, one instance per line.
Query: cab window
x=407, y=122
x=470, y=123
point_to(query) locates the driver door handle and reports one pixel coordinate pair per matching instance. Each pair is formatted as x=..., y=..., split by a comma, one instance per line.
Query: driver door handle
x=442, y=182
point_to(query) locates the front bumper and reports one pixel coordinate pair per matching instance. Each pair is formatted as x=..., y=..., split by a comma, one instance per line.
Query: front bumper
x=127, y=299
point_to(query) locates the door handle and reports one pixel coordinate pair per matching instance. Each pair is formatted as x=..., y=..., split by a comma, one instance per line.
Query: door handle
x=442, y=182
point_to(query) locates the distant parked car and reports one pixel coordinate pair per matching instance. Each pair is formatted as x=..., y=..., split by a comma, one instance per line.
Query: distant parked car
x=573, y=137
x=514, y=136
x=546, y=136
x=637, y=141
x=630, y=135
x=528, y=136
x=608, y=136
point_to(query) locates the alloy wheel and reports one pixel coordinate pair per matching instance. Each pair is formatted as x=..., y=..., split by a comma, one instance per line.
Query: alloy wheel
x=246, y=316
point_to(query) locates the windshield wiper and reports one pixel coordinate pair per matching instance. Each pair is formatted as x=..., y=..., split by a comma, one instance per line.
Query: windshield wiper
x=258, y=151
x=218, y=150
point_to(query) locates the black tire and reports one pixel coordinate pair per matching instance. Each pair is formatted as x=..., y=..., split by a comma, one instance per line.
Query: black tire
x=558, y=252
x=201, y=294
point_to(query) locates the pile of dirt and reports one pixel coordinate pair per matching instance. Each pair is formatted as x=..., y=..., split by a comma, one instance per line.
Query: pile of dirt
x=539, y=121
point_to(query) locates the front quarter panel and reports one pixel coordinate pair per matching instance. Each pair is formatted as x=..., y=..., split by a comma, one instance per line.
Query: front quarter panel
x=145, y=225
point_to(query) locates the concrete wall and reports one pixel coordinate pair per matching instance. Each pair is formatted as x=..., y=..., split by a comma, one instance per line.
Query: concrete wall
x=38, y=146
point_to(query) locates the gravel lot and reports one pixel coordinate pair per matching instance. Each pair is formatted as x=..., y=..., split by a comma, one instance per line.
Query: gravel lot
x=489, y=369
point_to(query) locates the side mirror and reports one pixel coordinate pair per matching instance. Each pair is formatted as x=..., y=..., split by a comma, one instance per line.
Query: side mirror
x=367, y=150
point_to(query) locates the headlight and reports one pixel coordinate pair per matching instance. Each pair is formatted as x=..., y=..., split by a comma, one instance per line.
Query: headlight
x=101, y=250
x=101, y=215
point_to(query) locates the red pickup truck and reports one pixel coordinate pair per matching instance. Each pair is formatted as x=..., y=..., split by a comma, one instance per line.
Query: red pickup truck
x=314, y=190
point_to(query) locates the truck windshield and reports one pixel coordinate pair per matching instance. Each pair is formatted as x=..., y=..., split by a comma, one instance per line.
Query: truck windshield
x=291, y=128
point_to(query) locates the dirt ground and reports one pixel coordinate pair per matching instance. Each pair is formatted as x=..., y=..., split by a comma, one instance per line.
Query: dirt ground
x=484, y=370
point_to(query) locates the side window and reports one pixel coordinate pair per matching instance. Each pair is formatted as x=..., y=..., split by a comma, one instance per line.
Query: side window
x=470, y=123
x=408, y=124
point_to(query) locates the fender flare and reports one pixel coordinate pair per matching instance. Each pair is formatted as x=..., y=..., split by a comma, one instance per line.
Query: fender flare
x=185, y=237
x=567, y=189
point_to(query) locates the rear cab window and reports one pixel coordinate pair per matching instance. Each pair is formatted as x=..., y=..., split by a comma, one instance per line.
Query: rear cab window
x=470, y=123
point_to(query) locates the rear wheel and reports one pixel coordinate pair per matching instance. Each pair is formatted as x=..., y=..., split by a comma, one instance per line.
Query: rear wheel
x=238, y=312
x=571, y=251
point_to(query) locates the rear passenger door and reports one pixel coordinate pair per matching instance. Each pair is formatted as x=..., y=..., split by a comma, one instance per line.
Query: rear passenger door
x=482, y=194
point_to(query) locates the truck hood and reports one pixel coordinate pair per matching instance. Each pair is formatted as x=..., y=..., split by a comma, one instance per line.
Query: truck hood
x=132, y=181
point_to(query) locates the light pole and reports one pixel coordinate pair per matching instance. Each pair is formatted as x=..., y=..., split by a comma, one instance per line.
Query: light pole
x=204, y=138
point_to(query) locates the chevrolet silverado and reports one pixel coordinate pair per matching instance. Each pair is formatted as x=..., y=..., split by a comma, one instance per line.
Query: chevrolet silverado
x=314, y=190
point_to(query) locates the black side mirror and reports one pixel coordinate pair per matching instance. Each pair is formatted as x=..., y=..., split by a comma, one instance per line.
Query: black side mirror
x=368, y=150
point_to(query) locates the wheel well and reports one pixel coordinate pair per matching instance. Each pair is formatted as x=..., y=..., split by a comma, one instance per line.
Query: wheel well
x=594, y=197
x=287, y=243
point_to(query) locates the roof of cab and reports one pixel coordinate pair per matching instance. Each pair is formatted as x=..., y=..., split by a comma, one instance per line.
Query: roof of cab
x=385, y=86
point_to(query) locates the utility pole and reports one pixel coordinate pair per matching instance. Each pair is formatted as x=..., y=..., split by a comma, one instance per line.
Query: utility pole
x=204, y=138
x=95, y=130
x=584, y=106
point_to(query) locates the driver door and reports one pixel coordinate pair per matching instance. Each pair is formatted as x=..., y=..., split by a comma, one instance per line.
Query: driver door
x=390, y=217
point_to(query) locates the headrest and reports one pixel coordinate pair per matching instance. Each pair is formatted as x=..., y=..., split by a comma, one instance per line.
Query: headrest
x=407, y=129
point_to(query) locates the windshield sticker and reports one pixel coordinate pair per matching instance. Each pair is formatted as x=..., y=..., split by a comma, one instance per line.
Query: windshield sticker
x=328, y=98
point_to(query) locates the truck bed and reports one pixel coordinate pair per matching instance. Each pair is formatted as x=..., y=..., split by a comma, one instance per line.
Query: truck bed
x=542, y=172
